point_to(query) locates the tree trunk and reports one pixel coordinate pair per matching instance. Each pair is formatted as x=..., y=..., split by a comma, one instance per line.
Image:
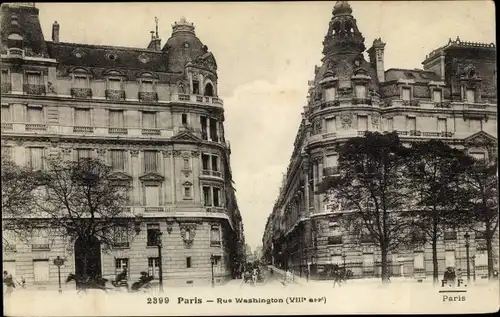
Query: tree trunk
x=84, y=272
x=489, y=251
x=435, y=266
x=385, y=271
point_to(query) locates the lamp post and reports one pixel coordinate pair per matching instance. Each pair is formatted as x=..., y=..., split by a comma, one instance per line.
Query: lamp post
x=59, y=262
x=474, y=266
x=343, y=257
x=212, y=262
x=467, y=236
x=160, y=268
x=313, y=262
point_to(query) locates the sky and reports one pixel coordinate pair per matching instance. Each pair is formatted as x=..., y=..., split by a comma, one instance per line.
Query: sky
x=266, y=53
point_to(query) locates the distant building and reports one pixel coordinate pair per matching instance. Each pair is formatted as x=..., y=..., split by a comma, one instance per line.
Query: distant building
x=154, y=115
x=453, y=98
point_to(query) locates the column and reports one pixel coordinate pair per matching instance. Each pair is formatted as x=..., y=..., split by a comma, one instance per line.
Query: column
x=166, y=174
x=134, y=171
x=195, y=190
x=321, y=197
x=172, y=173
x=305, y=170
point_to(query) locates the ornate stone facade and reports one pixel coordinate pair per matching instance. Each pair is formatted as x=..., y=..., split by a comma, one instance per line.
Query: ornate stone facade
x=111, y=103
x=453, y=99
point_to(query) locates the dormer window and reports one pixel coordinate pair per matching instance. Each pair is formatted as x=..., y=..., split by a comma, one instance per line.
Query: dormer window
x=360, y=91
x=406, y=93
x=33, y=78
x=114, y=83
x=196, y=87
x=209, y=90
x=470, y=95
x=80, y=82
x=147, y=86
x=330, y=93
x=437, y=95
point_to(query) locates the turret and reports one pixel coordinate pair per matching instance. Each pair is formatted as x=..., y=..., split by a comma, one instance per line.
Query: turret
x=376, y=55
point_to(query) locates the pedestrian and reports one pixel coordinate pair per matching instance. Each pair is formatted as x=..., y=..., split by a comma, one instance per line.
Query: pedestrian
x=9, y=283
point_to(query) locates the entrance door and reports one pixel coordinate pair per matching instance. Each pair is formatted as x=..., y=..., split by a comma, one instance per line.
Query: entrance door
x=92, y=251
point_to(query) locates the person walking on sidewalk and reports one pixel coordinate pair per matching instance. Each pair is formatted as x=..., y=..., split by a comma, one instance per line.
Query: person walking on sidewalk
x=9, y=283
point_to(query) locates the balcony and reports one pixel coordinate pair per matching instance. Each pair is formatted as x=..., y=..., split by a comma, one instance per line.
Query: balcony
x=213, y=209
x=328, y=104
x=361, y=101
x=335, y=240
x=81, y=93
x=6, y=126
x=415, y=133
x=77, y=129
x=362, y=133
x=329, y=171
x=31, y=89
x=206, y=172
x=40, y=247
x=184, y=97
x=198, y=99
x=150, y=131
x=446, y=134
x=115, y=94
x=148, y=96
x=36, y=127
x=6, y=88
x=442, y=104
x=329, y=135
x=215, y=243
x=475, y=106
x=115, y=131
x=154, y=209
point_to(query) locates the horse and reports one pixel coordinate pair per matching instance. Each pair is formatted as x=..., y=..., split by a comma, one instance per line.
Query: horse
x=340, y=275
x=85, y=283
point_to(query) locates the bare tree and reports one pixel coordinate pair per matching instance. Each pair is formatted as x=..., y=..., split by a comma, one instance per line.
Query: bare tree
x=373, y=183
x=482, y=184
x=436, y=171
x=82, y=199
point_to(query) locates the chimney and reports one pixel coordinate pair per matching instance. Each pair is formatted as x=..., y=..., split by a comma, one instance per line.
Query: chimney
x=55, y=32
x=376, y=54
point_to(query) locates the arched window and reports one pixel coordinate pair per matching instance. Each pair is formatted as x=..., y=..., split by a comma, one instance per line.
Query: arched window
x=209, y=90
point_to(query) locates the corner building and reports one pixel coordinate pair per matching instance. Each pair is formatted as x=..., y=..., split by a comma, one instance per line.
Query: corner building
x=151, y=113
x=453, y=99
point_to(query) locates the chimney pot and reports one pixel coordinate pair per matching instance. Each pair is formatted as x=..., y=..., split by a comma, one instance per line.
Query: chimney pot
x=55, y=32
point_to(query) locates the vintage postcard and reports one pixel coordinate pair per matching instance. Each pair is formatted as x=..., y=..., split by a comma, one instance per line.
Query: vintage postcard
x=249, y=158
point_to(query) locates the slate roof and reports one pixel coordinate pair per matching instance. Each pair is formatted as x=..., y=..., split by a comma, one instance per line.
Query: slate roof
x=418, y=75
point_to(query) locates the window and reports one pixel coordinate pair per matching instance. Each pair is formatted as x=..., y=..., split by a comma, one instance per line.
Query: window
x=470, y=95
x=154, y=267
x=209, y=90
x=362, y=123
x=82, y=154
x=207, y=198
x=6, y=115
x=184, y=119
x=80, y=82
x=114, y=84
x=215, y=163
x=331, y=125
x=368, y=259
x=149, y=120
x=442, y=125
x=10, y=267
x=215, y=239
x=450, y=258
x=117, y=160
x=153, y=230
x=331, y=160
x=203, y=122
x=330, y=94
x=481, y=258
x=35, y=114
x=213, y=130
x=217, y=263
x=35, y=157
x=120, y=237
x=150, y=161
x=406, y=94
x=187, y=191
x=188, y=262
x=216, y=196
x=205, y=161
x=5, y=76
x=437, y=95
x=480, y=156
x=411, y=123
x=116, y=119
x=82, y=117
x=41, y=271
x=390, y=124
x=33, y=78
x=196, y=87
x=146, y=86
x=475, y=125
x=152, y=196
x=360, y=91
x=120, y=265
x=186, y=164
x=418, y=261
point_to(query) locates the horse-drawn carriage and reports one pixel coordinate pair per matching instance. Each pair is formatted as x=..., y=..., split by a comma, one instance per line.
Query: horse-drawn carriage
x=84, y=283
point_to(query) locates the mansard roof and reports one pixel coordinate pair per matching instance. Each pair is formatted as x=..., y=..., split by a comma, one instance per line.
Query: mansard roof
x=418, y=75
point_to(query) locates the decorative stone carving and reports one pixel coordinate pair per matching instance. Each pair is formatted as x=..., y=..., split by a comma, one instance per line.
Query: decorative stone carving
x=143, y=58
x=186, y=155
x=188, y=232
x=51, y=88
x=186, y=172
x=134, y=153
x=66, y=151
x=166, y=153
x=177, y=153
x=101, y=152
x=195, y=153
x=375, y=121
x=346, y=121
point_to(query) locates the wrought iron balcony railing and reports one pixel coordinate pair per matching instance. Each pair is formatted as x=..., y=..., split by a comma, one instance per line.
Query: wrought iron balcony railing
x=40, y=247
x=36, y=127
x=6, y=126
x=121, y=245
x=31, y=89
x=117, y=131
x=78, y=129
x=361, y=101
x=115, y=94
x=148, y=96
x=81, y=93
x=6, y=88
x=150, y=131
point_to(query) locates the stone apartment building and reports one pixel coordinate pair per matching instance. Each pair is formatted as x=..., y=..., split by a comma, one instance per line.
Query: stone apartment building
x=154, y=115
x=453, y=98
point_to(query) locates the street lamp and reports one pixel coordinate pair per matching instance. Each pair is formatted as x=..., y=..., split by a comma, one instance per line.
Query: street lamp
x=212, y=261
x=59, y=262
x=313, y=262
x=160, y=268
x=343, y=257
x=474, y=265
x=467, y=236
